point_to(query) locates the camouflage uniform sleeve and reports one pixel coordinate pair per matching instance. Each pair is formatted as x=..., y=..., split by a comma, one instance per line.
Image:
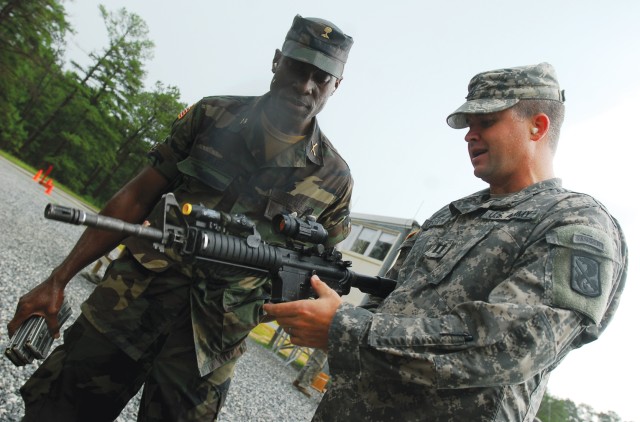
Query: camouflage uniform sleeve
x=335, y=218
x=531, y=320
x=164, y=156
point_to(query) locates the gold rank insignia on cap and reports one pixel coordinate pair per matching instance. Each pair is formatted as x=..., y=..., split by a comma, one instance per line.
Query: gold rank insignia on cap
x=183, y=112
x=317, y=42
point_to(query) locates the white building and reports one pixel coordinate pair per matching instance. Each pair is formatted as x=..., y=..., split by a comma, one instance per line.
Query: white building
x=372, y=245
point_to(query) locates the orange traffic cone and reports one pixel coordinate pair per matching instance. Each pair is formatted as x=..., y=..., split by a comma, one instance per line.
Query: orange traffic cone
x=45, y=175
x=49, y=187
x=38, y=174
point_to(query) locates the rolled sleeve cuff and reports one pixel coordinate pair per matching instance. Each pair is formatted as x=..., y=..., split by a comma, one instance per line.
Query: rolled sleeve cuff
x=347, y=334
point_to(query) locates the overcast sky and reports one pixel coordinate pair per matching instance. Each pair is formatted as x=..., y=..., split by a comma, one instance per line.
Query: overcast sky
x=408, y=69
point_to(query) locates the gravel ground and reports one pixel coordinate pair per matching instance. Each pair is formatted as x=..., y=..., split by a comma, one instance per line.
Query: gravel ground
x=261, y=389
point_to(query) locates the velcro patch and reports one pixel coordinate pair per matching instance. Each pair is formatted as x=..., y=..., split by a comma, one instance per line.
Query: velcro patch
x=580, y=269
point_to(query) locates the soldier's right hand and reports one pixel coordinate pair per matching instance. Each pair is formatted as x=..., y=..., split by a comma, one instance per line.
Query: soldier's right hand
x=45, y=300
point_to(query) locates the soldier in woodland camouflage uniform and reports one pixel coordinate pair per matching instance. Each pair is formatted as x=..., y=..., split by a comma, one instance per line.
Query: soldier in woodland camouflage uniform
x=493, y=291
x=176, y=327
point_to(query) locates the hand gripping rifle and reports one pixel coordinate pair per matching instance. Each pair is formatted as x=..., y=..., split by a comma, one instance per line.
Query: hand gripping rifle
x=212, y=236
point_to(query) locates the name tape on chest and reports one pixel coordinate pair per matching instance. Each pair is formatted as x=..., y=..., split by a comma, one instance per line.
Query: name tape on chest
x=511, y=215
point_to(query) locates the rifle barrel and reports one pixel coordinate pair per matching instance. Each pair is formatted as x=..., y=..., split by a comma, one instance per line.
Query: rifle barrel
x=80, y=217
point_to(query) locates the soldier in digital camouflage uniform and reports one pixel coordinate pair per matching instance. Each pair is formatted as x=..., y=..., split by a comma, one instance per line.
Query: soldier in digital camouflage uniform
x=493, y=291
x=177, y=327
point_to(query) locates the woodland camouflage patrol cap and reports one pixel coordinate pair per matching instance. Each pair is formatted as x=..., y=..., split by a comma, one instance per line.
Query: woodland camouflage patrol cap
x=500, y=89
x=318, y=42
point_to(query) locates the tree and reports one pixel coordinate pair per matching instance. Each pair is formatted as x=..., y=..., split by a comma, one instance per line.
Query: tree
x=553, y=409
x=149, y=122
x=31, y=39
x=94, y=123
x=113, y=77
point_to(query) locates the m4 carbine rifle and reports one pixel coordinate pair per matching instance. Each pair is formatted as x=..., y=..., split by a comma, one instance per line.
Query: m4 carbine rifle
x=212, y=236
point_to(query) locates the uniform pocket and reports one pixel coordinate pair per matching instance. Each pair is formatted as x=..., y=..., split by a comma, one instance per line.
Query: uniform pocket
x=280, y=202
x=241, y=305
x=214, y=173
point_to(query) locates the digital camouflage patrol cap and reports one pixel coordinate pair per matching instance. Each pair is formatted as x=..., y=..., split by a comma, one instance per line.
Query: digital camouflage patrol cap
x=318, y=42
x=500, y=89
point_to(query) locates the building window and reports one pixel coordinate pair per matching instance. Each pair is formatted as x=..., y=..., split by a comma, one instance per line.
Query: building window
x=361, y=244
x=382, y=246
x=375, y=244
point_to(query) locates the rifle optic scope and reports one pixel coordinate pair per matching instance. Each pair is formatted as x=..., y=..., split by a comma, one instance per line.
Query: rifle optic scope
x=304, y=230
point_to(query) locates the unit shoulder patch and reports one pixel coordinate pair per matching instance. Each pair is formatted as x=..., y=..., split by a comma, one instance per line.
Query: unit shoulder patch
x=184, y=112
x=580, y=269
x=585, y=276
